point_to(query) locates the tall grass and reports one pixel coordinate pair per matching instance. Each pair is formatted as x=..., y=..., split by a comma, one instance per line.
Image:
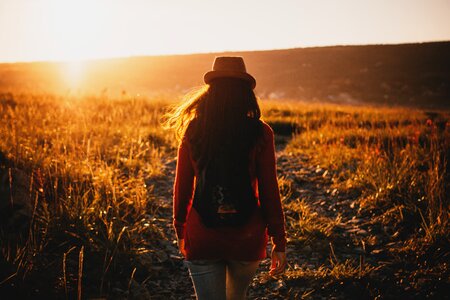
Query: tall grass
x=389, y=171
x=391, y=157
x=88, y=165
x=80, y=175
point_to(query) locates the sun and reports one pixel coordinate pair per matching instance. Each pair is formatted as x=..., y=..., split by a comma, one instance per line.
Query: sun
x=73, y=73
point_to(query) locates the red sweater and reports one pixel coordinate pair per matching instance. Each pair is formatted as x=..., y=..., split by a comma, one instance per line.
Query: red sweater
x=243, y=243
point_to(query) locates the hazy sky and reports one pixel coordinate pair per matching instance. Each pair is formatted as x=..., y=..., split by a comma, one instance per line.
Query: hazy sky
x=63, y=29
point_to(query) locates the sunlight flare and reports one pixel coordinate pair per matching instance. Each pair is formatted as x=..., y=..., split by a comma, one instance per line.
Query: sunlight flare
x=73, y=73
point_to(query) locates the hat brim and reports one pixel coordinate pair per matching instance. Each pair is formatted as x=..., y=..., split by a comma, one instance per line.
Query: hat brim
x=211, y=75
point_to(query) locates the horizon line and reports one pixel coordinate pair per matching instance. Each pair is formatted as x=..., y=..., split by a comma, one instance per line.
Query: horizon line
x=210, y=52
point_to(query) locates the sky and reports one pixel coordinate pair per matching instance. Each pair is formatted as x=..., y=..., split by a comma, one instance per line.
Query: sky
x=35, y=30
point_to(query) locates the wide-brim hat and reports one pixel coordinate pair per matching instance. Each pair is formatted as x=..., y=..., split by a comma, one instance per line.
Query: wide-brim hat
x=229, y=66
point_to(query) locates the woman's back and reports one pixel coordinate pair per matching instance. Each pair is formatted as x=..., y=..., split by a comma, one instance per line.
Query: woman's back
x=248, y=241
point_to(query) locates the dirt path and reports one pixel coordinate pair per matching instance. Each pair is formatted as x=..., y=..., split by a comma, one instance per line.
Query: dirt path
x=309, y=183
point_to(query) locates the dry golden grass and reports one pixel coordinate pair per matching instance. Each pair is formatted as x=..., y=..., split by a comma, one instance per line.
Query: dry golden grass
x=394, y=156
x=89, y=165
x=89, y=161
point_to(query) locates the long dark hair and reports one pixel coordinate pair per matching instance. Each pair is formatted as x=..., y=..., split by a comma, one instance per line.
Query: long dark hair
x=221, y=119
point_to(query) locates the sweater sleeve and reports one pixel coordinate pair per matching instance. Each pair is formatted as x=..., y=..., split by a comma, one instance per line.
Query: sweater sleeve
x=268, y=190
x=183, y=188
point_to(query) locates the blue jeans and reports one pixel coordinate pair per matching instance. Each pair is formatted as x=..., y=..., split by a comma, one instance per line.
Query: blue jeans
x=221, y=279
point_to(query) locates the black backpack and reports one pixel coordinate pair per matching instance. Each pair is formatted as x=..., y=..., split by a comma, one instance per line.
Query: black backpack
x=224, y=195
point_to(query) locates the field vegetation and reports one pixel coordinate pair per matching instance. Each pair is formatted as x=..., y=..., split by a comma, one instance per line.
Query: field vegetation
x=85, y=197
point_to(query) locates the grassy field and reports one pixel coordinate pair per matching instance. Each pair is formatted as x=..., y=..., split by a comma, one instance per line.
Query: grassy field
x=85, y=197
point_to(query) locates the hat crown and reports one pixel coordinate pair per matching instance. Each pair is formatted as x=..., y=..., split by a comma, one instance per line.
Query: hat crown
x=231, y=67
x=229, y=63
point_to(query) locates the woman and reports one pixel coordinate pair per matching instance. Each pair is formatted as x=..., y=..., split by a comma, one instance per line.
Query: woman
x=221, y=123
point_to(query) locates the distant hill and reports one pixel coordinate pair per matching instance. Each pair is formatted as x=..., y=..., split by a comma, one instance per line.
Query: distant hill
x=405, y=74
